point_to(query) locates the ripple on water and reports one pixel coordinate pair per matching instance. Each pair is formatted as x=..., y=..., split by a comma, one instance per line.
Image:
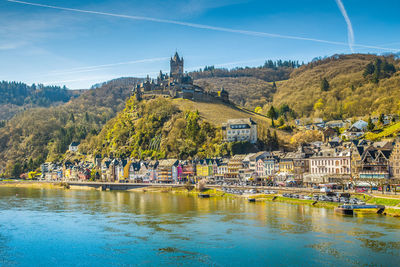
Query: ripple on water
x=128, y=228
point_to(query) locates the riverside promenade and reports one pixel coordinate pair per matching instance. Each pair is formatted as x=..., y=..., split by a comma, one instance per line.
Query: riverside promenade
x=128, y=186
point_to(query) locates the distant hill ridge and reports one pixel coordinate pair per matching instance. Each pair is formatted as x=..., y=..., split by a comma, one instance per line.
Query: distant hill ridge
x=354, y=85
x=17, y=96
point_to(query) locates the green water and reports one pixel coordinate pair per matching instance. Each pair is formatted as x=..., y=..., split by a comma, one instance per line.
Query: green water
x=43, y=227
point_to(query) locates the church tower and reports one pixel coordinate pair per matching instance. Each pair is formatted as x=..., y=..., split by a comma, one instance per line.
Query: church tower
x=176, y=64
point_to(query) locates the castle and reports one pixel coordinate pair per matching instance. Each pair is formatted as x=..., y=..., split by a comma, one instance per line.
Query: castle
x=177, y=85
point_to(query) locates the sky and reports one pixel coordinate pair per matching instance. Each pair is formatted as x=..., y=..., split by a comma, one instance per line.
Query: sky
x=78, y=43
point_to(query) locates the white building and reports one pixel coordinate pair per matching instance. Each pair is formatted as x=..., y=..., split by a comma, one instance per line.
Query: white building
x=240, y=130
x=329, y=162
x=73, y=147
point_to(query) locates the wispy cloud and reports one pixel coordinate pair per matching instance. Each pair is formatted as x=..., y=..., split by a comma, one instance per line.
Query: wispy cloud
x=202, y=26
x=350, y=32
x=11, y=45
x=104, y=66
x=98, y=78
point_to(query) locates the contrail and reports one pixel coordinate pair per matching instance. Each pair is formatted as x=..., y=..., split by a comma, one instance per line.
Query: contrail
x=350, y=32
x=201, y=26
x=104, y=66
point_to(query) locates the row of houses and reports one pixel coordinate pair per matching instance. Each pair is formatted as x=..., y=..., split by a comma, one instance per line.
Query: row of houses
x=351, y=130
x=313, y=163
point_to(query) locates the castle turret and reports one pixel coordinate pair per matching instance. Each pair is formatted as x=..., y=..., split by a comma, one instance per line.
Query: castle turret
x=176, y=64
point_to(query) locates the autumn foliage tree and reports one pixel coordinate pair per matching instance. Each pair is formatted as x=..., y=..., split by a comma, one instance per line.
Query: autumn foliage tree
x=306, y=137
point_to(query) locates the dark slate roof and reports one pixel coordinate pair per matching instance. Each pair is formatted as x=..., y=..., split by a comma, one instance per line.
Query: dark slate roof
x=386, y=153
x=360, y=149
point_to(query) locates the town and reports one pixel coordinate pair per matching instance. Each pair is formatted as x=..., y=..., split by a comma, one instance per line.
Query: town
x=331, y=162
x=339, y=158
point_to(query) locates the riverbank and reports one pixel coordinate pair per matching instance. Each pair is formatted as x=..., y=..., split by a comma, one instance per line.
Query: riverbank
x=32, y=184
x=392, y=204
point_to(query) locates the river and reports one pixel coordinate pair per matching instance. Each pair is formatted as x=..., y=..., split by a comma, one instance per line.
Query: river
x=47, y=227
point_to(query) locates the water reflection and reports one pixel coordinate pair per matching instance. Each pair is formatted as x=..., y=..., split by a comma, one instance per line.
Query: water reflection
x=158, y=228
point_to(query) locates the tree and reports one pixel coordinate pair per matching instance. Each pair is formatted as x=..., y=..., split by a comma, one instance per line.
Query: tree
x=369, y=69
x=324, y=85
x=94, y=174
x=306, y=137
x=272, y=113
x=370, y=125
x=192, y=124
x=319, y=105
x=16, y=170
x=388, y=69
x=281, y=121
x=377, y=70
x=283, y=109
x=274, y=87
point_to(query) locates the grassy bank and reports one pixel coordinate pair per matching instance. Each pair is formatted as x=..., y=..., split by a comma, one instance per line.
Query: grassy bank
x=31, y=184
x=384, y=201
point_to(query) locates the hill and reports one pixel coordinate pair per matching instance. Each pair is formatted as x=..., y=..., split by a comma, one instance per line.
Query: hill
x=218, y=113
x=164, y=127
x=249, y=92
x=16, y=97
x=249, y=86
x=40, y=134
x=344, y=85
x=340, y=86
x=390, y=131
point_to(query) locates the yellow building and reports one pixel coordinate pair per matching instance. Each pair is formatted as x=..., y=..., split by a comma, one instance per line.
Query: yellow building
x=204, y=168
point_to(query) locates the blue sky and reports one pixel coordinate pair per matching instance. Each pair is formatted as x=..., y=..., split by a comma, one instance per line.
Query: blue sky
x=77, y=48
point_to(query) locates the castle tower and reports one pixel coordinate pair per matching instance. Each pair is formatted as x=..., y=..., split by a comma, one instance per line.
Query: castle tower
x=138, y=93
x=176, y=64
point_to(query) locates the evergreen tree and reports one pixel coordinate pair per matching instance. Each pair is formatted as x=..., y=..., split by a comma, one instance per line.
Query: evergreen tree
x=272, y=113
x=369, y=69
x=324, y=85
x=377, y=70
x=370, y=125
x=381, y=118
x=281, y=122
x=274, y=86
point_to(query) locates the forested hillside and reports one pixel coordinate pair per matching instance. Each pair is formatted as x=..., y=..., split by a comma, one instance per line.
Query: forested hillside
x=161, y=127
x=40, y=134
x=269, y=72
x=16, y=96
x=342, y=86
x=248, y=87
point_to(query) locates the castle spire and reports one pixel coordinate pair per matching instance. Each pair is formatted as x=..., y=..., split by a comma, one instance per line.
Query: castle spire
x=176, y=56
